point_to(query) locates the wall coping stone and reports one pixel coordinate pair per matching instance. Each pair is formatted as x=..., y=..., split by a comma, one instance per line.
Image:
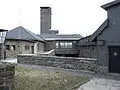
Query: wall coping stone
x=89, y=59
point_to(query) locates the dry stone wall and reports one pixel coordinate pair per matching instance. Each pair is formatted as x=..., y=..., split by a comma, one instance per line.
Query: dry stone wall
x=7, y=72
x=62, y=62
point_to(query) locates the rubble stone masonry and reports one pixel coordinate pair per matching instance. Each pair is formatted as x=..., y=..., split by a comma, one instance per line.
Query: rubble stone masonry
x=87, y=64
x=7, y=72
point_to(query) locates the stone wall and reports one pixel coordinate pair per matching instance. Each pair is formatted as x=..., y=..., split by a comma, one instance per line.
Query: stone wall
x=7, y=72
x=62, y=62
x=88, y=51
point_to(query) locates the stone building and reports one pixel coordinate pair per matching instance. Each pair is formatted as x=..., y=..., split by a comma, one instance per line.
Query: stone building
x=22, y=41
x=103, y=44
x=106, y=40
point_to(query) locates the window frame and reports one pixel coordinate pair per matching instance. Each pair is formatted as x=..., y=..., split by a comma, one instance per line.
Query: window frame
x=8, y=47
x=27, y=47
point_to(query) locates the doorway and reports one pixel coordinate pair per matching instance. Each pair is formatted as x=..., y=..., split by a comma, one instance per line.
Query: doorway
x=114, y=59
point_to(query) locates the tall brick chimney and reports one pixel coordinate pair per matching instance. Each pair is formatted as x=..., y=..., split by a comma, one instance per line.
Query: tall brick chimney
x=45, y=23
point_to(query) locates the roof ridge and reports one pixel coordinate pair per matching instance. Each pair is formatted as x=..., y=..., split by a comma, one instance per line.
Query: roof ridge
x=33, y=34
x=110, y=4
x=99, y=30
x=29, y=32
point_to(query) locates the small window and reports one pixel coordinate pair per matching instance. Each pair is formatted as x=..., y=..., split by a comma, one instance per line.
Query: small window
x=62, y=44
x=69, y=45
x=38, y=47
x=27, y=47
x=8, y=47
x=57, y=44
x=66, y=44
x=13, y=47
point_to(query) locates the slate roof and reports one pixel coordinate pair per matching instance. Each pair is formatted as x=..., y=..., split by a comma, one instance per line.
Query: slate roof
x=20, y=33
x=85, y=41
x=99, y=30
x=92, y=37
x=50, y=37
x=111, y=4
x=85, y=38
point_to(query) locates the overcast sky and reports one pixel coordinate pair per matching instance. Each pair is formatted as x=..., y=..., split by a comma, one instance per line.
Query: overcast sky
x=68, y=16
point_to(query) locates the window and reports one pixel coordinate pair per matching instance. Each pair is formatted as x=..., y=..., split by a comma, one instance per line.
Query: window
x=57, y=44
x=66, y=44
x=8, y=47
x=62, y=44
x=27, y=47
x=13, y=47
x=69, y=45
x=2, y=37
x=38, y=47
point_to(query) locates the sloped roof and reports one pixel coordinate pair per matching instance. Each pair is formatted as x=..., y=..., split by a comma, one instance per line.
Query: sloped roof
x=111, y=4
x=22, y=34
x=60, y=36
x=105, y=23
x=99, y=30
x=85, y=38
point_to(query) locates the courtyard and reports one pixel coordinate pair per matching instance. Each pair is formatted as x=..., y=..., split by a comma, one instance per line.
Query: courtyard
x=34, y=76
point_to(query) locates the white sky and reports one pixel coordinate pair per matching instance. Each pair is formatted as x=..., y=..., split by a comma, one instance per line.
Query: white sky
x=68, y=16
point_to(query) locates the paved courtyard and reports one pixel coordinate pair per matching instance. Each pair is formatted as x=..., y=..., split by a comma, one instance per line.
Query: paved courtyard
x=106, y=81
x=101, y=84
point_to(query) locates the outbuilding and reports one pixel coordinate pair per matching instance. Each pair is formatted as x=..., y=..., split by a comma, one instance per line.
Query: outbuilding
x=107, y=39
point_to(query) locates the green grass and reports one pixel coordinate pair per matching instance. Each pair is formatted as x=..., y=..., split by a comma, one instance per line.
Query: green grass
x=34, y=79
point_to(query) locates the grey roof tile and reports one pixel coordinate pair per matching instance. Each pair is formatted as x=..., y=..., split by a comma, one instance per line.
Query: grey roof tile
x=61, y=36
x=99, y=30
x=22, y=34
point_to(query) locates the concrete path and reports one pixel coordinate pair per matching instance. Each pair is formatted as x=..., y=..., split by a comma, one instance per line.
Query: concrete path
x=106, y=81
x=101, y=84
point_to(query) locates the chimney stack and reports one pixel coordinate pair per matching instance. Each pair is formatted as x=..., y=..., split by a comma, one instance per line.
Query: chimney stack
x=45, y=23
